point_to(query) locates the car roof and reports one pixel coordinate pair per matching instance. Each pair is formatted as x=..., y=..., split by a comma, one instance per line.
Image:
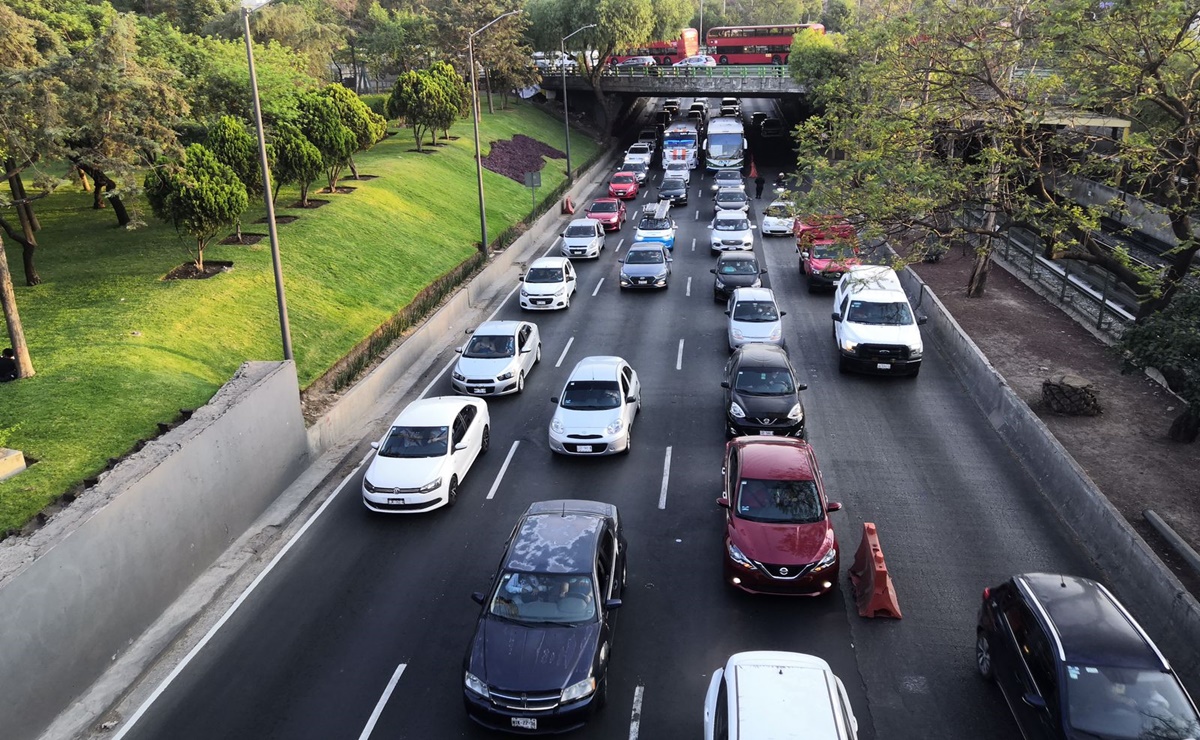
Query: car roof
x=783, y=695
x=646, y=246
x=728, y=171
x=736, y=257
x=878, y=296
x=554, y=538
x=605, y=200
x=775, y=458
x=731, y=192
x=1092, y=627
x=437, y=411
x=753, y=294
x=490, y=328
x=599, y=367
x=730, y=216
x=583, y=222
x=549, y=262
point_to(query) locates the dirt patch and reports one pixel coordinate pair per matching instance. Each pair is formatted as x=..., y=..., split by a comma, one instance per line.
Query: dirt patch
x=312, y=203
x=279, y=220
x=188, y=271
x=247, y=239
x=340, y=191
x=422, y=151
x=1125, y=450
x=366, y=177
x=518, y=155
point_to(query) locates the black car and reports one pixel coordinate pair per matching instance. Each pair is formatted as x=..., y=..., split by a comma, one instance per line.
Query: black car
x=674, y=190
x=761, y=393
x=1073, y=664
x=538, y=662
x=735, y=270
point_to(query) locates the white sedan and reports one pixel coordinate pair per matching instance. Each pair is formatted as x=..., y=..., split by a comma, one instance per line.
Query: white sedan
x=497, y=358
x=594, y=414
x=425, y=454
x=698, y=60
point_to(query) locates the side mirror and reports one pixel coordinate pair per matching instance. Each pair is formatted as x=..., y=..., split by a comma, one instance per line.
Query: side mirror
x=460, y=446
x=670, y=259
x=833, y=506
x=837, y=316
x=526, y=350
x=713, y=270
x=782, y=314
x=610, y=604
x=802, y=386
x=477, y=597
x=727, y=313
x=520, y=278
x=762, y=271
x=553, y=399
x=723, y=502
x=710, y=226
x=631, y=399
x=1034, y=701
x=724, y=383
x=562, y=233
x=621, y=261
x=374, y=445
x=753, y=226
x=469, y=331
x=459, y=350
x=921, y=320
x=804, y=255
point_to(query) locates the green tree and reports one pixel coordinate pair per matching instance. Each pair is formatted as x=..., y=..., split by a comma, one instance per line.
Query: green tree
x=296, y=160
x=232, y=145
x=1170, y=341
x=367, y=126
x=837, y=16
x=818, y=59
x=309, y=28
x=397, y=41
x=322, y=125
x=424, y=102
x=198, y=195
x=457, y=92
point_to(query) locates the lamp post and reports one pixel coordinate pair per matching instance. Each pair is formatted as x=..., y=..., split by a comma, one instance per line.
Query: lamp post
x=483, y=245
x=562, y=47
x=248, y=7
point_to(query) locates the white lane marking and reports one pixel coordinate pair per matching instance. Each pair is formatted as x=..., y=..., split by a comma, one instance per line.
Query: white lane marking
x=679, y=357
x=387, y=693
x=689, y=292
x=635, y=721
x=662, y=496
x=564, y=352
x=503, y=468
x=454, y=359
x=187, y=659
x=597, y=290
x=553, y=244
x=693, y=245
x=619, y=245
x=697, y=214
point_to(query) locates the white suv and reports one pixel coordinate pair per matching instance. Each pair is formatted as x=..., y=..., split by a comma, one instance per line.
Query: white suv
x=874, y=325
x=731, y=231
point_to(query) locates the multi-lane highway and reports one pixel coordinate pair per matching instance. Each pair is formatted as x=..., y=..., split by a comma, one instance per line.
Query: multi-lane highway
x=360, y=630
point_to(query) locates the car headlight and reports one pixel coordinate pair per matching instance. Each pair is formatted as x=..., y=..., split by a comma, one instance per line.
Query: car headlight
x=914, y=353
x=776, y=333
x=849, y=346
x=737, y=334
x=556, y=426
x=524, y=294
x=474, y=685
x=432, y=486
x=615, y=427
x=757, y=283
x=505, y=376
x=796, y=413
x=560, y=291
x=736, y=411
x=370, y=488
x=625, y=279
x=826, y=560
x=738, y=557
x=577, y=691
x=720, y=284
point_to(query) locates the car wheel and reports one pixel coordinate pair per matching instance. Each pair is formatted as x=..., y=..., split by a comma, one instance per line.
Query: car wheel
x=567, y=302
x=628, y=440
x=776, y=60
x=452, y=493
x=537, y=357
x=717, y=298
x=521, y=382
x=602, y=692
x=811, y=288
x=486, y=442
x=983, y=655
x=723, y=59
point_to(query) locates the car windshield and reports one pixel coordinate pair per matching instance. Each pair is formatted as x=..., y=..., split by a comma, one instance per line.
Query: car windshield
x=591, y=395
x=415, y=442
x=735, y=196
x=833, y=251
x=885, y=314
x=755, y=311
x=732, y=224
x=779, y=501
x=655, y=224
x=490, y=347
x=639, y=149
x=777, y=211
x=544, y=275
x=635, y=166
x=622, y=179
x=603, y=207
x=738, y=267
x=684, y=140
x=581, y=230
x=540, y=598
x=644, y=257
x=673, y=184
x=764, y=381
x=1128, y=703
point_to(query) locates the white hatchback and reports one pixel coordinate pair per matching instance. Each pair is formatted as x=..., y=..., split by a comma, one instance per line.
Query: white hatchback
x=425, y=454
x=548, y=284
x=677, y=169
x=779, y=219
x=583, y=237
x=754, y=317
x=595, y=412
x=497, y=358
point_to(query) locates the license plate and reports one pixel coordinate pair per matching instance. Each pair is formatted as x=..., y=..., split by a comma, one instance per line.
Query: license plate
x=883, y=366
x=584, y=448
x=479, y=390
x=396, y=501
x=766, y=433
x=525, y=723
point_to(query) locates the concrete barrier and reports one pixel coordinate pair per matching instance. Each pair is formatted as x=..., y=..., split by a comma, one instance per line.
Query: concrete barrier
x=76, y=593
x=1143, y=583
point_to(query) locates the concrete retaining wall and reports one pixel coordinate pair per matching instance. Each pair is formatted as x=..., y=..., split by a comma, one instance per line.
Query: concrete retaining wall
x=1142, y=216
x=74, y=594
x=1151, y=592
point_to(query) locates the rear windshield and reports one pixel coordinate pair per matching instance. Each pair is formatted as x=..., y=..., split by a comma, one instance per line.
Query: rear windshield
x=883, y=314
x=415, y=442
x=781, y=501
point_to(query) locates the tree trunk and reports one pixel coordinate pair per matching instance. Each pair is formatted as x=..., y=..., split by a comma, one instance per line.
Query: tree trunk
x=353, y=168
x=26, y=239
x=24, y=205
x=304, y=194
x=199, y=262
x=977, y=283
x=487, y=83
x=102, y=180
x=16, y=334
x=1186, y=427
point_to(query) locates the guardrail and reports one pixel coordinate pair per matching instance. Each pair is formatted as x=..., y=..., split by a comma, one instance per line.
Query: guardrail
x=726, y=71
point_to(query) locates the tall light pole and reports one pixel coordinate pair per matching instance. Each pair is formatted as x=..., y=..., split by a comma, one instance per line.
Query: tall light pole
x=562, y=47
x=248, y=7
x=702, y=49
x=483, y=245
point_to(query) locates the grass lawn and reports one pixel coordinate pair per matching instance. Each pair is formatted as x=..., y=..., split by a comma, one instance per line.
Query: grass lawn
x=117, y=349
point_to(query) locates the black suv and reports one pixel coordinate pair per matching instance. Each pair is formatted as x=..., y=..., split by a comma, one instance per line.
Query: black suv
x=538, y=662
x=1073, y=664
x=762, y=396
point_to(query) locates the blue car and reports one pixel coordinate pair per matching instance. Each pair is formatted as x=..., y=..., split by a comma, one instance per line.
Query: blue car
x=656, y=225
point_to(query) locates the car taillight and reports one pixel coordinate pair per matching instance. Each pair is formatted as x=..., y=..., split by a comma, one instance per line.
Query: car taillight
x=987, y=594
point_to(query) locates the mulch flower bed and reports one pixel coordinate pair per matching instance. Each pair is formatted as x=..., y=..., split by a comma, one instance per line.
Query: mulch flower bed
x=516, y=156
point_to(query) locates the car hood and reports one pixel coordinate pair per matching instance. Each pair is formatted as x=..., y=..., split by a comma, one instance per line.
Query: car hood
x=778, y=222
x=404, y=472
x=740, y=235
x=479, y=367
x=765, y=406
x=643, y=270
x=908, y=335
x=586, y=422
x=737, y=281
x=579, y=241
x=519, y=657
x=829, y=264
x=755, y=329
x=780, y=544
x=543, y=288
x=602, y=217
x=642, y=235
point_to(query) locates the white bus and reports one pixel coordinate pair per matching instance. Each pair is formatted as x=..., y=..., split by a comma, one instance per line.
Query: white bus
x=681, y=143
x=725, y=146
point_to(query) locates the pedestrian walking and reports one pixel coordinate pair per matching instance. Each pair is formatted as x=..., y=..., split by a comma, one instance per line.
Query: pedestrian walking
x=759, y=182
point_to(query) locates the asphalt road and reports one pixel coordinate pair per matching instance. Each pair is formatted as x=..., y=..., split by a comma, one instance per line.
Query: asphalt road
x=312, y=652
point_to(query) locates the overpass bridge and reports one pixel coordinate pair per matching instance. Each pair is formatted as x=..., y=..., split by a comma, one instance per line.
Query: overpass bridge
x=751, y=81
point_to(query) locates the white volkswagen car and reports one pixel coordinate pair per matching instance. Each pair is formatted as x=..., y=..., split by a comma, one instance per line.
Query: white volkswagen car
x=497, y=358
x=594, y=414
x=583, y=237
x=754, y=317
x=779, y=218
x=425, y=454
x=548, y=284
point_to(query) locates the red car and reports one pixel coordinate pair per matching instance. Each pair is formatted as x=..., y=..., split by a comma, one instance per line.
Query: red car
x=608, y=211
x=778, y=538
x=828, y=247
x=623, y=185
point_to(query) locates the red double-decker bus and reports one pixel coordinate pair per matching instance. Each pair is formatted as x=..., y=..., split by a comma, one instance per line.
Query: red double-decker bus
x=755, y=44
x=663, y=52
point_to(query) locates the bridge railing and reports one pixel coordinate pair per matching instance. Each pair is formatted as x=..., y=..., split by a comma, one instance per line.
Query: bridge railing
x=729, y=71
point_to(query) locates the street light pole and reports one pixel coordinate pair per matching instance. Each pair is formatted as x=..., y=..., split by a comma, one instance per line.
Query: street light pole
x=562, y=46
x=483, y=244
x=285, y=331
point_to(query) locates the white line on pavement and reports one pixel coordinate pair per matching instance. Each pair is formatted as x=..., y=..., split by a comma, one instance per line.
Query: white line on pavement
x=387, y=692
x=619, y=245
x=564, y=352
x=553, y=244
x=503, y=468
x=635, y=721
x=662, y=496
x=688, y=294
x=679, y=357
x=697, y=214
x=693, y=245
x=597, y=290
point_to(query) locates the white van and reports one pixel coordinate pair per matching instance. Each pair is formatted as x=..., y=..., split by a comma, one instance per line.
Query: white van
x=873, y=323
x=771, y=694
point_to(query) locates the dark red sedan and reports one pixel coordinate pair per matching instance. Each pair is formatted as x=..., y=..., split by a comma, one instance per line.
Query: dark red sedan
x=623, y=185
x=778, y=538
x=608, y=211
